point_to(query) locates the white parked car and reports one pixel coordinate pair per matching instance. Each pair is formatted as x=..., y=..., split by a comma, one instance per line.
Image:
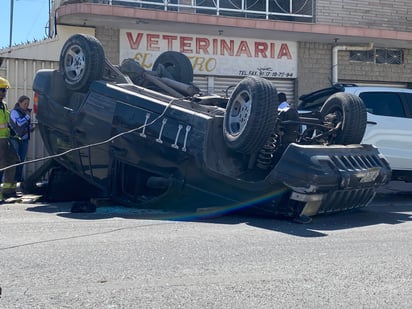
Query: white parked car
x=389, y=115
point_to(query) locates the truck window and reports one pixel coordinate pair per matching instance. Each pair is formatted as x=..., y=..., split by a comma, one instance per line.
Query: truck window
x=408, y=97
x=383, y=103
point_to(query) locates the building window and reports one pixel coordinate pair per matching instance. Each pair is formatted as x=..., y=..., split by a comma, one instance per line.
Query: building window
x=378, y=55
x=289, y=10
x=390, y=56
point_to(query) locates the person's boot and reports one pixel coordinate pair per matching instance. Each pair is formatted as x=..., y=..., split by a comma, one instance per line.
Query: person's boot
x=7, y=195
x=9, y=190
x=19, y=189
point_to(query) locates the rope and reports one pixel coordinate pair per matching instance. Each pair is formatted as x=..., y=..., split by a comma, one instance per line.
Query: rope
x=94, y=144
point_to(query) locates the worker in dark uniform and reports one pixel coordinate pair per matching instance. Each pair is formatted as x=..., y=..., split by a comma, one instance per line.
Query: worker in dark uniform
x=8, y=155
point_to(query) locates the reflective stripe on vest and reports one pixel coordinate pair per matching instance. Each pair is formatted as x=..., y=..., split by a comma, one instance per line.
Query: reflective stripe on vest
x=4, y=121
x=9, y=185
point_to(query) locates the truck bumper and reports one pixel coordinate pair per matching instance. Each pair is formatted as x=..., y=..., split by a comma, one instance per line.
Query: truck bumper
x=326, y=179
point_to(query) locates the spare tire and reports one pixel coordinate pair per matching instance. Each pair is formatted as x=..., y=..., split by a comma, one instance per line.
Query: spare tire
x=174, y=65
x=82, y=61
x=349, y=112
x=250, y=115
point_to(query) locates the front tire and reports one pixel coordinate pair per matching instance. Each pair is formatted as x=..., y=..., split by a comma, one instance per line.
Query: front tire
x=349, y=112
x=250, y=115
x=174, y=65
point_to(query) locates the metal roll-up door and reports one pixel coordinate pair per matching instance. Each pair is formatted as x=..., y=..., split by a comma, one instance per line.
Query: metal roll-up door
x=224, y=85
x=288, y=87
x=201, y=83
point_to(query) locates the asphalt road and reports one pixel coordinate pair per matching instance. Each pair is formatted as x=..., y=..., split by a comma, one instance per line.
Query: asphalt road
x=124, y=258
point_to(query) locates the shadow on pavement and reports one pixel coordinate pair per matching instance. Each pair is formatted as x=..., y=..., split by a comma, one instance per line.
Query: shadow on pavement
x=385, y=209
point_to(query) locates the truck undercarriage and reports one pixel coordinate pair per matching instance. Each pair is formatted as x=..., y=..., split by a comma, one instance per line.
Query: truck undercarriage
x=152, y=139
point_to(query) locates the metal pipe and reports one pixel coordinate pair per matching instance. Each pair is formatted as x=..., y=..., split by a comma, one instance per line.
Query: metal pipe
x=185, y=89
x=335, y=51
x=158, y=82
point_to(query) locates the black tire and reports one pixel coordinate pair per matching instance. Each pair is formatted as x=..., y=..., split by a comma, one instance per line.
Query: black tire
x=174, y=65
x=349, y=110
x=250, y=115
x=82, y=61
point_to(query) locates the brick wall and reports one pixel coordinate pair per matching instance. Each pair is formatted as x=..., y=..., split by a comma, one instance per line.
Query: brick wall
x=315, y=68
x=371, y=72
x=109, y=38
x=379, y=14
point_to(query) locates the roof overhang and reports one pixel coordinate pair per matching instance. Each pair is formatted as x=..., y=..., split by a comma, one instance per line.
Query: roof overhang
x=120, y=17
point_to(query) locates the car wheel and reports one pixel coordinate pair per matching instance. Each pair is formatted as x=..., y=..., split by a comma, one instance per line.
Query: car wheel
x=82, y=61
x=174, y=65
x=250, y=115
x=348, y=111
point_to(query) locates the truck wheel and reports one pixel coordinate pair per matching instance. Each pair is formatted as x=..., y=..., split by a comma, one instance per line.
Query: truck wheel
x=174, y=65
x=82, y=61
x=348, y=110
x=250, y=115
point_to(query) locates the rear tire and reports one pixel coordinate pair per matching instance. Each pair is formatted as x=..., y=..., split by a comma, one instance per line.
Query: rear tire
x=82, y=61
x=250, y=115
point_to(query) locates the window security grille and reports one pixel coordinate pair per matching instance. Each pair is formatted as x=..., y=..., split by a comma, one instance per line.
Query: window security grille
x=378, y=55
x=390, y=56
x=290, y=10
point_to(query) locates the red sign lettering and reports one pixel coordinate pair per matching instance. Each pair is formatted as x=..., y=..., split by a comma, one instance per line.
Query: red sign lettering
x=208, y=46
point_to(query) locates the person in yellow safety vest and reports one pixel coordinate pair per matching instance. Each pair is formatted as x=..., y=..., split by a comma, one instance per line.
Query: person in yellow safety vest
x=8, y=155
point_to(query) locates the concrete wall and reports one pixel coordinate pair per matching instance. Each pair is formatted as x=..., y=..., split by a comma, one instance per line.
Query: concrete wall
x=110, y=40
x=314, y=67
x=377, y=14
x=20, y=73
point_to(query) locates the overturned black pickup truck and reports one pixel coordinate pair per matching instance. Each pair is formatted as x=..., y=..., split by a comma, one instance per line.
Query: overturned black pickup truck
x=152, y=139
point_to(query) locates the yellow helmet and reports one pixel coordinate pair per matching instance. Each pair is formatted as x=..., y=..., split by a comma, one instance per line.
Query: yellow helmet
x=4, y=83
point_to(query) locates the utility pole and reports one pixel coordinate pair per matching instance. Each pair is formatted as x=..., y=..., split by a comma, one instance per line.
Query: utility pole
x=50, y=20
x=11, y=21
